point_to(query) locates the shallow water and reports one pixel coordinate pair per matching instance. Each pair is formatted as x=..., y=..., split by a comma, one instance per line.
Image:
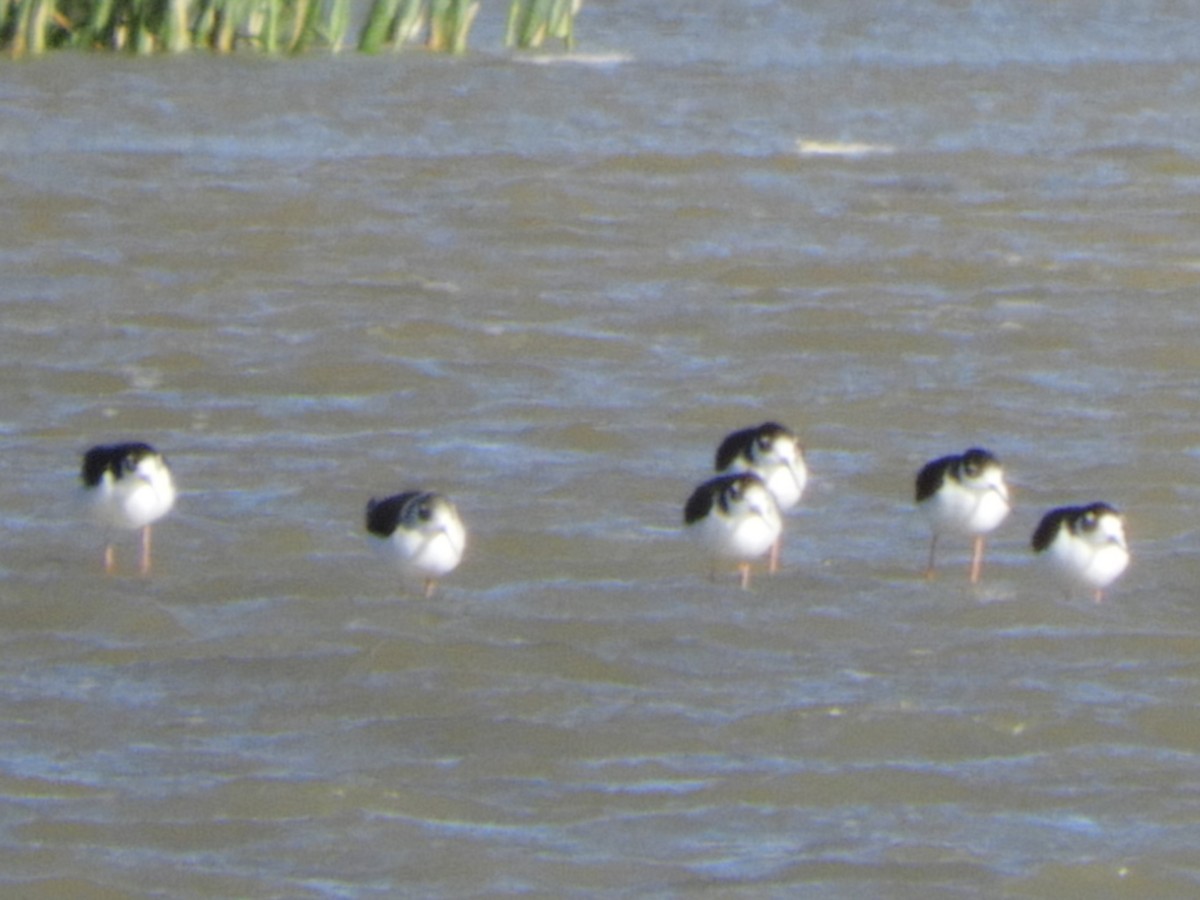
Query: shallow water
x=549, y=289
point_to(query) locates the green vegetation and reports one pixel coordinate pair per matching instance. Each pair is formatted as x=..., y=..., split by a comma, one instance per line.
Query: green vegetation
x=444, y=24
x=530, y=22
x=31, y=27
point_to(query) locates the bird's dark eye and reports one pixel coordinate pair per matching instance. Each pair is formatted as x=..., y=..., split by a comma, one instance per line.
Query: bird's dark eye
x=425, y=512
x=1089, y=521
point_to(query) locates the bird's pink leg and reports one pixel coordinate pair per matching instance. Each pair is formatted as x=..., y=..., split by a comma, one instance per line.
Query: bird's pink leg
x=145, y=568
x=977, y=560
x=929, y=569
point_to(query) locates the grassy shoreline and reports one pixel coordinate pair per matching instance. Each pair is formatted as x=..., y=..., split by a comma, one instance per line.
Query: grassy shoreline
x=34, y=27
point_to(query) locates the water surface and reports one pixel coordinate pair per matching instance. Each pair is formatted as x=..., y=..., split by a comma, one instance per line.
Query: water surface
x=548, y=288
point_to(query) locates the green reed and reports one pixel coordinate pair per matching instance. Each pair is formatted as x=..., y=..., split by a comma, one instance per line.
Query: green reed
x=531, y=22
x=28, y=26
x=445, y=24
x=31, y=27
x=449, y=23
x=393, y=22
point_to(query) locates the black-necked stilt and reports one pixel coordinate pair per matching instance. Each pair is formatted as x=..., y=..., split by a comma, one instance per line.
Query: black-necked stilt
x=421, y=531
x=736, y=519
x=1086, y=544
x=964, y=495
x=773, y=453
x=128, y=486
